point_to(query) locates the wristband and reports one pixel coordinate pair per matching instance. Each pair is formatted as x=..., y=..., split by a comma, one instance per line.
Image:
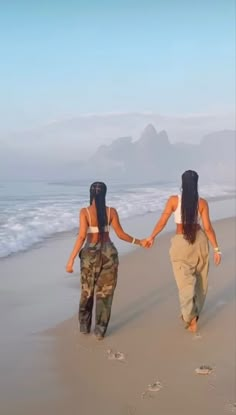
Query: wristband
x=133, y=241
x=216, y=249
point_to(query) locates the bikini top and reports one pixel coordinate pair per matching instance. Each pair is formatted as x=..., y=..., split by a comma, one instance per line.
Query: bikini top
x=95, y=229
x=177, y=212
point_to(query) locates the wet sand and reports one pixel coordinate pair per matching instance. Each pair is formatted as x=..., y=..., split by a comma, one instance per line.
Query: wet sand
x=65, y=372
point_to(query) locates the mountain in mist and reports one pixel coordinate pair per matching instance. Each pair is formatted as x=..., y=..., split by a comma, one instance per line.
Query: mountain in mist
x=57, y=152
x=65, y=140
x=153, y=157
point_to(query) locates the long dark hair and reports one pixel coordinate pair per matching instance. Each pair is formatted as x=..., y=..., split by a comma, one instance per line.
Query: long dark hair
x=189, y=205
x=98, y=192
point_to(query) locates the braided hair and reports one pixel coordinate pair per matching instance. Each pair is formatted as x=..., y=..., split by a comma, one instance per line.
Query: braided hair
x=189, y=205
x=98, y=192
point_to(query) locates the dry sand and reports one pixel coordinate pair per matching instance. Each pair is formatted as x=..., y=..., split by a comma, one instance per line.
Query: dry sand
x=79, y=378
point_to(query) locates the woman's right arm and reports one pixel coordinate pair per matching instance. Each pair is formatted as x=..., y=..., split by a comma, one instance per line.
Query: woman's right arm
x=115, y=222
x=210, y=233
x=83, y=226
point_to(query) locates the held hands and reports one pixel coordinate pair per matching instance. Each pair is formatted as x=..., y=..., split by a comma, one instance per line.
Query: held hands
x=150, y=241
x=147, y=243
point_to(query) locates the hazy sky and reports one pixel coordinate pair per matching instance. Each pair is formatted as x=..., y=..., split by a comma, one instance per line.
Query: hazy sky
x=61, y=58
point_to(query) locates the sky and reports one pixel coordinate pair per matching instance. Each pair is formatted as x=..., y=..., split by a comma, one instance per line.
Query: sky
x=61, y=58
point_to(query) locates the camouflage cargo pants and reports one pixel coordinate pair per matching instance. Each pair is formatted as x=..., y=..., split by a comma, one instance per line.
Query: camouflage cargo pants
x=99, y=266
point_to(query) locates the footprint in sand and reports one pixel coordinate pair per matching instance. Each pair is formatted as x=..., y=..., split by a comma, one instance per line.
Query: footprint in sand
x=131, y=410
x=204, y=370
x=152, y=389
x=220, y=304
x=197, y=336
x=115, y=355
x=231, y=408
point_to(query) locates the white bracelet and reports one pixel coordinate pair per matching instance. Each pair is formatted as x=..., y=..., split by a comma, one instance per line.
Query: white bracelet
x=133, y=241
x=216, y=249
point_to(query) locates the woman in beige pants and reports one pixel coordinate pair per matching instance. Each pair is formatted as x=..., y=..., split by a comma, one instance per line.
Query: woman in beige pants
x=189, y=252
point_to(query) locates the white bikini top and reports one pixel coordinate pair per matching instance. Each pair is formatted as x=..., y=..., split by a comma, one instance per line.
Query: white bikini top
x=177, y=212
x=95, y=229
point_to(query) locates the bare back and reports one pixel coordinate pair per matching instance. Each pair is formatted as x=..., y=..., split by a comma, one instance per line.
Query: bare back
x=202, y=211
x=88, y=218
x=93, y=234
x=172, y=205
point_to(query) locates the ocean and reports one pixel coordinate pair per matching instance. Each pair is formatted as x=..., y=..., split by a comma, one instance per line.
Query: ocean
x=32, y=211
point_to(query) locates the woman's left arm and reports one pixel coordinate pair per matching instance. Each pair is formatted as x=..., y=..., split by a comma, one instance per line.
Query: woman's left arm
x=83, y=226
x=167, y=212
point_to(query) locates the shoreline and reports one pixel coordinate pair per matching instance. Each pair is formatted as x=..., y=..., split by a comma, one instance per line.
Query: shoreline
x=131, y=222
x=44, y=280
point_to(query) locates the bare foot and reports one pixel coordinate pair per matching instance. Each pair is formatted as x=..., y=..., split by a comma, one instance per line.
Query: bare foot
x=193, y=325
x=98, y=336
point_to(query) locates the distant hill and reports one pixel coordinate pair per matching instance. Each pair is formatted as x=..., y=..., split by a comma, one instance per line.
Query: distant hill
x=147, y=155
x=153, y=157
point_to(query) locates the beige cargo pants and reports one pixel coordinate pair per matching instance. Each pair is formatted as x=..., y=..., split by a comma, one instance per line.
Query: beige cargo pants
x=190, y=263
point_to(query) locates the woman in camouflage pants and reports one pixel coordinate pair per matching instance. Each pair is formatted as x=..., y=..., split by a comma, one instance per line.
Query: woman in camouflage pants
x=99, y=259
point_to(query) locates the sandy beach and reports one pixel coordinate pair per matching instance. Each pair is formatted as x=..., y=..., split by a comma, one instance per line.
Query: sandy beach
x=117, y=123
x=61, y=371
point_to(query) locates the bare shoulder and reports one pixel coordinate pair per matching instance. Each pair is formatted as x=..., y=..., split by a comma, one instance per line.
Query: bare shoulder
x=173, y=201
x=202, y=202
x=83, y=210
x=114, y=217
x=174, y=198
x=113, y=212
x=202, y=205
